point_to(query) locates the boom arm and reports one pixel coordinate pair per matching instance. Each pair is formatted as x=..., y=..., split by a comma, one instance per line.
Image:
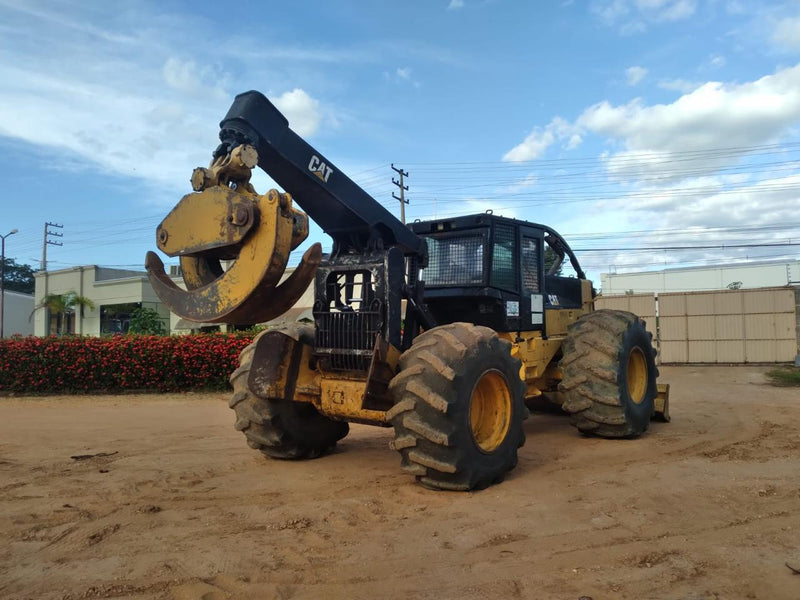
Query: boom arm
x=353, y=218
x=226, y=219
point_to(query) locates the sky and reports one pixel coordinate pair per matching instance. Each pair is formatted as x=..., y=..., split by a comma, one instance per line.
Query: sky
x=652, y=134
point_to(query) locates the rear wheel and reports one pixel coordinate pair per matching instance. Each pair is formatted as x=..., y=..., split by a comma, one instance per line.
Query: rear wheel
x=458, y=408
x=281, y=428
x=609, y=374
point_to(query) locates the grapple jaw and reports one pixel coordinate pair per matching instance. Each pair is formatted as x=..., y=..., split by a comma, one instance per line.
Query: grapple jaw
x=225, y=220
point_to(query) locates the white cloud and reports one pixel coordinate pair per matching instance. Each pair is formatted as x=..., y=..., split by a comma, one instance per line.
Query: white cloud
x=633, y=16
x=679, y=85
x=455, y=4
x=735, y=7
x=717, y=60
x=402, y=76
x=139, y=92
x=715, y=115
x=521, y=184
x=787, y=33
x=144, y=111
x=713, y=201
x=677, y=10
x=611, y=12
x=539, y=140
x=693, y=162
x=574, y=141
x=187, y=77
x=302, y=111
x=635, y=74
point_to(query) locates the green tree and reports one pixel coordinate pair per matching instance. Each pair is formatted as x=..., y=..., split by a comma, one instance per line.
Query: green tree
x=63, y=305
x=550, y=258
x=146, y=321
x=18, y=278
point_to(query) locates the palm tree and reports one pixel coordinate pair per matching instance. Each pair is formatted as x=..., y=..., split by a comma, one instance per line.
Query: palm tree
x=63, y=305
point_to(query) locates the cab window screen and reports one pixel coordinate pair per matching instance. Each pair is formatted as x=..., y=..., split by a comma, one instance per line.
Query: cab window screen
x=504, y=260
x=454, y=261
x=530, y=265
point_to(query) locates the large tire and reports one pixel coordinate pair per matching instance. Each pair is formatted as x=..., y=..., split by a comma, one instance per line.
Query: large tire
x=279, y=428
x=609, y=374
x=458, y=408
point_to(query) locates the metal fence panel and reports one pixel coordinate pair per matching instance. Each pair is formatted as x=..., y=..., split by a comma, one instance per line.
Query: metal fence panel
x=674, y=352
x=700, y=328
x=726, y=326
x=729, y=303
x=730, y=351
x=672, y=329
x=671, y=305
x=700, y=304
x=642, y=305
x=729, y=327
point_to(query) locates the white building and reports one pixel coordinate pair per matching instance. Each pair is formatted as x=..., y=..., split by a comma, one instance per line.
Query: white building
x=691, y=279
x=116, y=293
x=17, y=309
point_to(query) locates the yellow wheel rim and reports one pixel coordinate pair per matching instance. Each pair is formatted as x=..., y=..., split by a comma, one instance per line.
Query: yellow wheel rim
x=637, y=375
x=490, y=411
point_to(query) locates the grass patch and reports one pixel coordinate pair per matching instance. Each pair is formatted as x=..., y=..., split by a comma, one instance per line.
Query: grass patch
x=785, y=376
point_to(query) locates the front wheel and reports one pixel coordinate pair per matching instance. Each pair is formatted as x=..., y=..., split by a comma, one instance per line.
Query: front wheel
x=281, y=428
x=609, y=374
x=458, y=408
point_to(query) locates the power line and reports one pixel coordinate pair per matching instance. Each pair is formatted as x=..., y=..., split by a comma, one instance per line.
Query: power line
x=718, y=247
x=632, y=156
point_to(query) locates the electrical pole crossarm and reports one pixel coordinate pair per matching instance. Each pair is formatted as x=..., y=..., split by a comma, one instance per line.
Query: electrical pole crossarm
x=403, y=190
x=47, y=241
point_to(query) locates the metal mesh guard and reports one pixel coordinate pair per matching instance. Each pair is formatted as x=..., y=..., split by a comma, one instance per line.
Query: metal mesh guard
x=454, y=261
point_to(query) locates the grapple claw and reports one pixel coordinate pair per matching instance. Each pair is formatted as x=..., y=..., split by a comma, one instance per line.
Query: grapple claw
x=249, y=290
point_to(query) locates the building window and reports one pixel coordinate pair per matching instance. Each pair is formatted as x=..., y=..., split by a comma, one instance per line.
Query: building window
x=116, y=318
x=60, y=323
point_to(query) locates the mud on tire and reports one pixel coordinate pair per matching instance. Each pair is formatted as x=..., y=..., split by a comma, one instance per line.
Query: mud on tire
x=458, y=408
x=609, y=374
x=280, y=428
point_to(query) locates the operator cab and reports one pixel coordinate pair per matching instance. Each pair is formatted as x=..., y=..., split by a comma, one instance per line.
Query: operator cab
x=495, y=271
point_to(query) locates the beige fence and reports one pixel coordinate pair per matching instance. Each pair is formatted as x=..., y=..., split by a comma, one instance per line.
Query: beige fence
x=643, y=305
x=730, y=326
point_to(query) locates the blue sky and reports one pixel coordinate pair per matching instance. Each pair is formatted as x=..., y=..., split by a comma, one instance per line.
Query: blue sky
x=624, y=124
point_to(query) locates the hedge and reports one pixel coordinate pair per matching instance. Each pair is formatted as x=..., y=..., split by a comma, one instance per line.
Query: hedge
x=121, y=363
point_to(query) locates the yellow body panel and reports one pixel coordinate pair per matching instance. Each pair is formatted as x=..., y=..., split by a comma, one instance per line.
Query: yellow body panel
x=341, y=395
x=338, y=395
x=661, y=404
x=219, y=217
x=343, y=399
x=536, y=355
x=558, y=319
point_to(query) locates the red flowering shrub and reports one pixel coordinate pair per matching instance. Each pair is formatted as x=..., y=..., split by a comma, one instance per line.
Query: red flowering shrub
x=120, y=363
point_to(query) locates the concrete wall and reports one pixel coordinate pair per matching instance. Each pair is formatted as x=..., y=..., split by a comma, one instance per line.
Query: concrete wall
x=730, y=326
x=17, y=309
x=690, y=279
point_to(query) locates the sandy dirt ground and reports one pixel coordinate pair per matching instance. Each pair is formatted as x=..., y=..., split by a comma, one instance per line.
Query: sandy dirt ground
x=175, y=505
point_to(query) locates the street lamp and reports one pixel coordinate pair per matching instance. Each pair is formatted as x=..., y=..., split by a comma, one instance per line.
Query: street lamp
x=3, y=279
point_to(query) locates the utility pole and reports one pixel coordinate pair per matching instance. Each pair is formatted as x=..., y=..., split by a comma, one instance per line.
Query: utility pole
x=3, y=280
x=403, y=190
x=47, y=240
